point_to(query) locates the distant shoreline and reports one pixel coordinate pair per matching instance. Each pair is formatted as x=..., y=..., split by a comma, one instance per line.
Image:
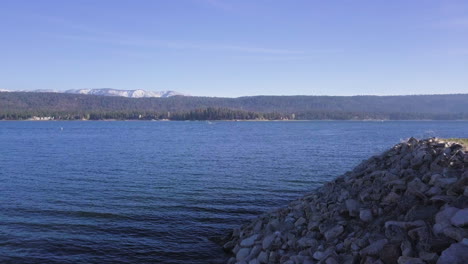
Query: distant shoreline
x=43, y=106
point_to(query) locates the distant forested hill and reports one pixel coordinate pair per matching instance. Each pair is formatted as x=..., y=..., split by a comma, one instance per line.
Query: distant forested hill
x=22, y=105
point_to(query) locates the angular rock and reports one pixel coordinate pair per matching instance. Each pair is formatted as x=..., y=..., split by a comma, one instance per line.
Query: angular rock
x=435, y=190
x=374, y=248
x=248, y=242
x=460, y=218
x=331, y=260
x=263, y=257
x=353, y=207
x=254, y=252
x=391, y=198
x=242, y=254
x=419, y=234
x=390, y=253
x=417, y=185
x=406, y=249
x=268, y=241
x=410, y=260
x=333, y=232
x=430, y=258
x=229, y=245
x=254, y=261
x=442, y=219
x=455, y=233
x=455, y=254
x=365, y=215
x=420, y=212
x=300, y=221
x=318, y=255
x=306, y=242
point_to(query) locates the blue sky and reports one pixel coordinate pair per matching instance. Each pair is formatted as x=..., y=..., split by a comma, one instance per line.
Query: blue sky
x=238, y=47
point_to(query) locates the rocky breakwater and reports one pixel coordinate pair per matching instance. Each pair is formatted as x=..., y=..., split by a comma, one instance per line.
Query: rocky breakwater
x=408, y=205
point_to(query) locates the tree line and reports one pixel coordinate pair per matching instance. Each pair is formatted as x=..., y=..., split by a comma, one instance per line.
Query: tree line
x=22, y=105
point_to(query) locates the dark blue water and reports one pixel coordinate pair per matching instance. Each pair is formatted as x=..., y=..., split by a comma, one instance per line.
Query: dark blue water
x=163, y=192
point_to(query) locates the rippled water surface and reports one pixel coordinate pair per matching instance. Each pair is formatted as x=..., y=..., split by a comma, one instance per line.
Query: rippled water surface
x=163, y=192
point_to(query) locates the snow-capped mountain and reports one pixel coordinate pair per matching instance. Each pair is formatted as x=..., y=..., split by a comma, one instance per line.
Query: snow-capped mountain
x=109, y=92
x=125, y=93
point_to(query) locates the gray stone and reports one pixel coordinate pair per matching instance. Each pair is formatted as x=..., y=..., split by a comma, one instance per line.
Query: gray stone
x=313, y=225
x=442, y=219
x=434, y=178
x=306, y=242
x=365, y=215
x=333, y=232
x=406, y=249
x=340, y=248
x=273, y=257
x=300, y=221
x=421, y=212
x=419, y=234
x=441, y=199
x=273, y=225
x=460, y=218
x=353, y=207
x=363, y=242
x=331, y=260
x=374, y=248
x=444, y=182
x=236, y=249
x=242, y=254
x=417, y=185
x=391, y=198
x=428, y=257
x=254, y=252
x=390, y=253
x=268, y=241
x=254, y=261
x=258, y=227
x=248, y=242
x=419, y=158
x=435, y=190
x=455, y=233
x=455, y=254
x=263, y=257
x=318, y=255
x=229, y=245
x=355, y=247
x=410, y=260
x=465, y=241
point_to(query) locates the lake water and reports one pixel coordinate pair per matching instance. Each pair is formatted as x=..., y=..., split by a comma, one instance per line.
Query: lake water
x=164, y=192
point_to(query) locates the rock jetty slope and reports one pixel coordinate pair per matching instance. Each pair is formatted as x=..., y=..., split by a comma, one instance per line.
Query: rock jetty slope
x=408, y=205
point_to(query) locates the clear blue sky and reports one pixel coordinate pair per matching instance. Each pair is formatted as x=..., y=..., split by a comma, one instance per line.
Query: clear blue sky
x=238, y=47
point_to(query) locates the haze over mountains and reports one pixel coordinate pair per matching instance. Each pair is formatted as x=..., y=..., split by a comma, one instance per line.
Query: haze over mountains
x=138, y=93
